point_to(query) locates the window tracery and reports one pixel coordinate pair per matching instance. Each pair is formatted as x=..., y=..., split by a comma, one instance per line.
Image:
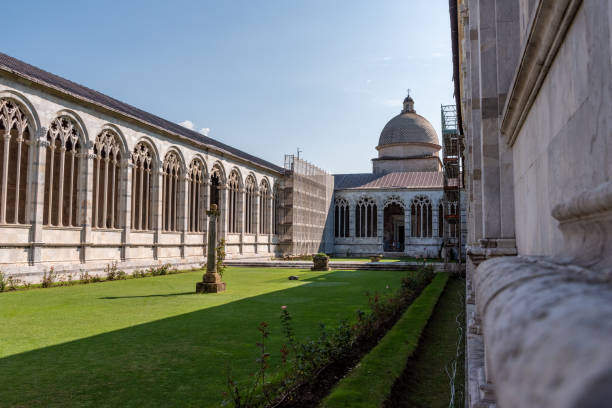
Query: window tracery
x=233, y=203
x=106, y=178
x=15, y=142
x=365, y=218
x=171, y=174
x=265, y=201
x=250, y=195
x=421, y=217
x=62, y=173
x=196, y=196
x=142, y=160
x=341, y=218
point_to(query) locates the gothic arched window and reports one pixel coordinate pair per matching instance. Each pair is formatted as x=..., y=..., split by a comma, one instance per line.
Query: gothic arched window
x=249, y=210
x=341, y=218
x=277, y=210
x=196, y=196
x=441, y=219
x=15, y=141
x=106, y=177
x=265, y=201
x=142, y=160
x=171, y=189
x=421, y=217
x=62, y=173
x=365, y=218
x=233, y=202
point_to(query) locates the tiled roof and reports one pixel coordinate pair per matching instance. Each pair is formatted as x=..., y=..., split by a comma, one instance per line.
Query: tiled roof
x=20, y=68
x=409, y=179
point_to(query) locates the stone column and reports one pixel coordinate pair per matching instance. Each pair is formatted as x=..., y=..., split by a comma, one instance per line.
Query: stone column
x=489, y=130
x=205, y=197
x=85, y=198
x=407, y=231
x=125, y=206
x=475, y=154
x=183, y=209
x=380, y=226
x=157, y=180
x=508, y=49
x=222, y=225
x=256, y=218
x=211, y=281
x=37, y=194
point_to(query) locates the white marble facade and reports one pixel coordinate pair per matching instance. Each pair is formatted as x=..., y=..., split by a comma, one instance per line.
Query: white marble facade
x=68, y=236
x=422, y=242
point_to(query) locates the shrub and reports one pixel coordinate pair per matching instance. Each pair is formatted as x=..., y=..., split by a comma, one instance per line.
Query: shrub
x=96, y=278
x=13, y=282
x=164, y=269
x=3, y=281
x=113, y=273
x=49, y=278
x=139, y=273
x=85, y=277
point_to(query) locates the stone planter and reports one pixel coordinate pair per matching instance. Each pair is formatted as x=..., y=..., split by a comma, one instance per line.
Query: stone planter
x=320, y=263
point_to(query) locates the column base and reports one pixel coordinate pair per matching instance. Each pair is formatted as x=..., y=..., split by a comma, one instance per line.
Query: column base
x=211, y=284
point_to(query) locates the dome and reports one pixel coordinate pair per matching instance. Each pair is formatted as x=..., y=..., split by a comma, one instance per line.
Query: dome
x=408, y=127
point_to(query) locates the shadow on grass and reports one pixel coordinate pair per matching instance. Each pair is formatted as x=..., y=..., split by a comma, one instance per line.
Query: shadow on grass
x=180, y=360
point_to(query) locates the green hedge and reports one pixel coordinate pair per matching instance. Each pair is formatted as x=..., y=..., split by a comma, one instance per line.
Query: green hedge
x=370, y=382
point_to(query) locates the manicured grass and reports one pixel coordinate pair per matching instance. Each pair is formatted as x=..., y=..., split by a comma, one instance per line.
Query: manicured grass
x=397, y=259
x=153, y=342
x=424, y=382
x=370, y=383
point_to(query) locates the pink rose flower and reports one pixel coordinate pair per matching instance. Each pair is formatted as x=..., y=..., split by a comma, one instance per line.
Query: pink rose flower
x=283, y=307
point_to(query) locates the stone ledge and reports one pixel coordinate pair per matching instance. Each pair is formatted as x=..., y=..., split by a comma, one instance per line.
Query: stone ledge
x=547, y=330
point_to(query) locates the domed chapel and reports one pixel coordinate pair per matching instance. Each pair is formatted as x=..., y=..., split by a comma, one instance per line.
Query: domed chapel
x=398, y=208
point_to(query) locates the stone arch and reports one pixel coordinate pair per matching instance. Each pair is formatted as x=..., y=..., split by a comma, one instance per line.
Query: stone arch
x=109, y=153
x=173, y=172
x=80, y=124
x=197, y=177
x=265, y=206
x=421, y=216
x=341, y=217
x=394, y=228
x=234, y=202
x=366, y=217
x=121, y=137
x=26, y=105
x=218, y=180
x=64, y=172
x=144, y=161
x=250, y=201
x=17, y=138
x=394, y=199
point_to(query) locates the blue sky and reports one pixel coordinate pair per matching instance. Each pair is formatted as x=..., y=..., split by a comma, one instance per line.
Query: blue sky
x=263, y=76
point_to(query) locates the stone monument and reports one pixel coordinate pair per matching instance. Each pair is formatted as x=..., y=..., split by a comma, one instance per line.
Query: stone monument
x=211, y=282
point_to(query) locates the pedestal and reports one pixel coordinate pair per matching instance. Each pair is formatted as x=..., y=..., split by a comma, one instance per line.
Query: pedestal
x=211, y=284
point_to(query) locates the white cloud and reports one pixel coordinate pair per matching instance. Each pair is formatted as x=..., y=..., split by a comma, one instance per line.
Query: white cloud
x=187, y=123
x=392, y=102
x=368, y=81
x=205, y=131
x=387, y=58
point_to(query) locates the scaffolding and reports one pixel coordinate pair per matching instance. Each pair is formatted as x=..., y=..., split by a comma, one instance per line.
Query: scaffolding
x=452, y=159
x=305, y=198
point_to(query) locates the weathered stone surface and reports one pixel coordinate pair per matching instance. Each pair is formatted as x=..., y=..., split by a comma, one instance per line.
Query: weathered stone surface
x=547, y=332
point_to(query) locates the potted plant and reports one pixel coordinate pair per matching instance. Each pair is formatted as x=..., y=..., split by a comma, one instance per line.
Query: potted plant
x=376, y=258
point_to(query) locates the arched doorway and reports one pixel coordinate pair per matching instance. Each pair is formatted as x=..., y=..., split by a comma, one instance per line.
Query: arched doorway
x=393, y=236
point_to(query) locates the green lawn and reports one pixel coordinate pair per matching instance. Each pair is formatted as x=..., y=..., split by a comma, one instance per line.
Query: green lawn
x=153, y=342
x=397, y=259
x=424, y=382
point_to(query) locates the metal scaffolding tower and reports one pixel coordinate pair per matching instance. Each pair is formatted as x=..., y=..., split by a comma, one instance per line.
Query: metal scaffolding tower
x=452, y=159
x=305, y=197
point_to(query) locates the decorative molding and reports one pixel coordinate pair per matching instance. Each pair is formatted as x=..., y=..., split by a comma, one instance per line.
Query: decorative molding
x=551, y=22
x=585, y=204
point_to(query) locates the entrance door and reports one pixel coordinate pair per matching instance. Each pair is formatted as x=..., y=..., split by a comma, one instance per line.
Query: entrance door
x=393, y=232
